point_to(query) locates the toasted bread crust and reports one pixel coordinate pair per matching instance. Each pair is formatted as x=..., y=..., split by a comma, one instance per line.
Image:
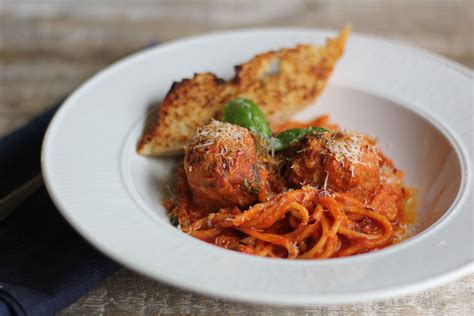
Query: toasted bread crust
x=281, y=83
x=189, y=104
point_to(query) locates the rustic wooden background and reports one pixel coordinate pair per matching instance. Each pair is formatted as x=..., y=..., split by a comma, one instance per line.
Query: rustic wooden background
x=47, y=48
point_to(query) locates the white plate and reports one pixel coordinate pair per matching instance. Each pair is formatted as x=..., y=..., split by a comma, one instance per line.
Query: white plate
x=418, y=105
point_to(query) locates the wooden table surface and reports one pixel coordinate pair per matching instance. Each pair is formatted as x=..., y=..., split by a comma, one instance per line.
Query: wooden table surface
x=47, y=48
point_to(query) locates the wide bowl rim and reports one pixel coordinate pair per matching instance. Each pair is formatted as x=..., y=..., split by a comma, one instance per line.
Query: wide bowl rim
x=274, y=299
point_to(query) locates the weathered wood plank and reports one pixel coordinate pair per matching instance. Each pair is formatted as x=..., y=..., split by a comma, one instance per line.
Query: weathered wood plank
x=126, y=292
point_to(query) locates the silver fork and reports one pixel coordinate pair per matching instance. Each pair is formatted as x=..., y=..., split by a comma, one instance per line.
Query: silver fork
x=11, y=201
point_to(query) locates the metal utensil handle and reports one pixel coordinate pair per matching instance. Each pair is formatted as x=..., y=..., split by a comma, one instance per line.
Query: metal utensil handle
x=10, y=202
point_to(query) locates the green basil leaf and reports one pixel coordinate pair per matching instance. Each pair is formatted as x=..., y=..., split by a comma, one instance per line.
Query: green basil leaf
x=245, y=113
x=290, y=136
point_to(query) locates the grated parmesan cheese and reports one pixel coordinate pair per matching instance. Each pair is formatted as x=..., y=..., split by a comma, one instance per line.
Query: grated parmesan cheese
x=325, y=185
x=347, y=147
x=388, y=175
x=217, y=132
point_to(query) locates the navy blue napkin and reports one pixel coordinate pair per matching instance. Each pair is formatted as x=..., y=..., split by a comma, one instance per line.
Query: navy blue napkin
x=44, y=264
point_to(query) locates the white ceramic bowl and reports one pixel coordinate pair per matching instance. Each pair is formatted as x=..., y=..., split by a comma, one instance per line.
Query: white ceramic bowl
x=418, y=106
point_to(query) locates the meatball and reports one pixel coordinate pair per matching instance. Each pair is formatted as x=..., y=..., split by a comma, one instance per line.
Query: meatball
x=342, y=161
x=221, y=166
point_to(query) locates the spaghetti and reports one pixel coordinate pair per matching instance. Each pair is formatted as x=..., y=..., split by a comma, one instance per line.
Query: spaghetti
x=312, y=218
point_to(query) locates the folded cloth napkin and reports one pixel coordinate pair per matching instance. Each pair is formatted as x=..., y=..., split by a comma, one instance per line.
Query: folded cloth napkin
x=44, y=264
